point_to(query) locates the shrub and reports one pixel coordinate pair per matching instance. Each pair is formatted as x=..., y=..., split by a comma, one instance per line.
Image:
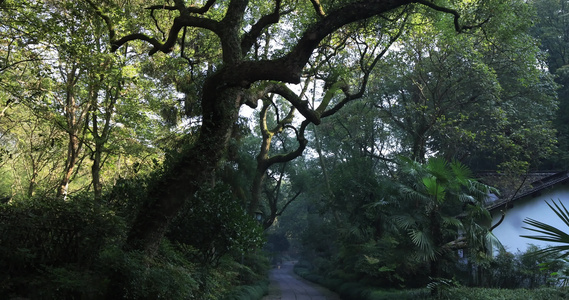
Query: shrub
x=48, y=247
x=520, y=270
x=357, y=290
x=253, y=268
x=167, y=275
x=465, y=293
x=249, y=292
x=218, y=225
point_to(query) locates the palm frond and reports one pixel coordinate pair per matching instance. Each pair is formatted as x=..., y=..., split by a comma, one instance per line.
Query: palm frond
x=404, y=221
x=492, y=242
x=466, y=198
x=461, y=172
x=563, y=214
x=479, y=190
x=555, y=251
x=452, y=221
x=411, y=194
x=381, y=203
x=434, y=188
x=438, y=167
x=478, y=211
x=424, y=243
x=550, y=233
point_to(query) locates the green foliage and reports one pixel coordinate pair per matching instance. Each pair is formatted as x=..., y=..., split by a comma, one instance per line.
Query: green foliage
x=433, y=195
x=127, y=196
x=357, y=290
x=472, y=95
x=169, y=275
x=482, y=97
x=214, y=223
x=522, y=270
x=560, y=158
x=449, y=289
x=49, y=248
x=253, y=268
x=440, y=286
x=249, y=292
x=175, y=274
x=70, y=250
x=386, y=263
x=505, y=294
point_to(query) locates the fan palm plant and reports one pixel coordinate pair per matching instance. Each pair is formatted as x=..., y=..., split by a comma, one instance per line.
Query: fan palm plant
x=441, y=199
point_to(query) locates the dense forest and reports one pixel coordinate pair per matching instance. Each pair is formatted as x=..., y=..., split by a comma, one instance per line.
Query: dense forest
x=176, y=149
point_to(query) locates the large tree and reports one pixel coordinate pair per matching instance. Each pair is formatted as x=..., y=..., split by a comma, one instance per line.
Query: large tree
x=238, y=75
x=483, y=98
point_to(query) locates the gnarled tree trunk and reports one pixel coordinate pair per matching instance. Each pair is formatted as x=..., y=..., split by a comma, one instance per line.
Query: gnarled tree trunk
x=194, y=170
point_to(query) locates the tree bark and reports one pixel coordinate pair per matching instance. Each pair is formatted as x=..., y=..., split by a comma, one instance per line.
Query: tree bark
x=194, y=170
x=74, y=117
x=73, y=148
x=96, y=173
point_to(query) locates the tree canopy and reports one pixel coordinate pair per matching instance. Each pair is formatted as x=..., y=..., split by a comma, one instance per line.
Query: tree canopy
x=184, y=119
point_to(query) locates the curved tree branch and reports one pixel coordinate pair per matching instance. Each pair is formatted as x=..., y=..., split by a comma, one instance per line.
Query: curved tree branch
x=164, y=7
x=367, y=72
x=285, y=92
x=200, y=10
x=229, y=87
x=350, y=13
x=264, y=160
x=156, y=23
x=289, y=67
x=499, y=222
x=456, y=14
x=250, y=37
x=181, y=6
x=168, y=45
x=302, y=142
x=108, y=22
x=318, y=8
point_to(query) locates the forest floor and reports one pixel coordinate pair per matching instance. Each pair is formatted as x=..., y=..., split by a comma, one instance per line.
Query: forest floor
x=285, y=285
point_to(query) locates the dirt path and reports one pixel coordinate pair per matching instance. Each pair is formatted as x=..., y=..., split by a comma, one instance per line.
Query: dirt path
x=285, y=285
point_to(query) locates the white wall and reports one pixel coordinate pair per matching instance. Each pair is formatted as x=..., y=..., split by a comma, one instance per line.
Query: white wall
x=529, y=207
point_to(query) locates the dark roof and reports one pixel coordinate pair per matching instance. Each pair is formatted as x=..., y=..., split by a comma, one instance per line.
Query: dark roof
x=527, y=187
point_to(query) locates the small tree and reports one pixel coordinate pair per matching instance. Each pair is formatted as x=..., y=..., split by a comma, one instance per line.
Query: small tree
x=442, y=209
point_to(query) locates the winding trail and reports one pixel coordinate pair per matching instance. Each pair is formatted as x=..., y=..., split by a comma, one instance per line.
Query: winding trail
x=285, y=285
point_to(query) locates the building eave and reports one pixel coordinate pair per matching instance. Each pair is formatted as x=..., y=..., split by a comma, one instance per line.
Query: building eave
x=537, y=187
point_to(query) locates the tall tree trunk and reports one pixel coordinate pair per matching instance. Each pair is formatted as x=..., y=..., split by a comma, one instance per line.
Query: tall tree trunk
x=33, y=180
x=192, y=171
x=96, y=173
x=73, y=148
x=256, y=187
x=101, y=135
x=74, y=116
